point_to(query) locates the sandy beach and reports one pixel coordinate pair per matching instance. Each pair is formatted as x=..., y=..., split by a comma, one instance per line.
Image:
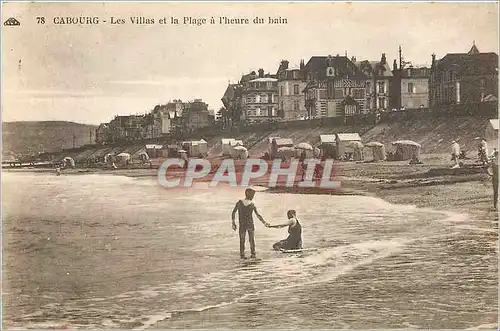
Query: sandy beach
x=432, y=243
x=395, y=182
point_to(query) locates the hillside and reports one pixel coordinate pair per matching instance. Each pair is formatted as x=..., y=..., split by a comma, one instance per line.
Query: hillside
x=44, y=136
x=434, y=134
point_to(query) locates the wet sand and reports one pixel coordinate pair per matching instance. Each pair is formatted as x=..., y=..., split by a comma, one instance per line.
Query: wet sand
x=395, y=182
x=407, y=288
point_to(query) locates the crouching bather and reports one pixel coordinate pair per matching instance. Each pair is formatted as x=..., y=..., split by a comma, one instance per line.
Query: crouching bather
x=294, y=240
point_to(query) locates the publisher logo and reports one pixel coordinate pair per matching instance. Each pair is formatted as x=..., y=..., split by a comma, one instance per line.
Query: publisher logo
x=11, y=22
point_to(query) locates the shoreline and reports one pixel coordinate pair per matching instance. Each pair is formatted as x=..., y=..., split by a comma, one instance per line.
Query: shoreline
x=411, y=185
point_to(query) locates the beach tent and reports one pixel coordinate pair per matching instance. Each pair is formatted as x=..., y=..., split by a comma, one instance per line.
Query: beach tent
x=378, y=150
x=154, y=150
x=195, y=148
x=239, y=152
x=491, y=133
x=172, y=150
x=344, y=142
x=123, y=157
x=328, y=145
x=316, y=152
x=228, y=144
x=357, y=147
x=285, y=153
x=406, y=150
x=143, y=156
x=277, y=143
x=109, y=158
x=304, y=148
x=270, y=144
x=69, y=162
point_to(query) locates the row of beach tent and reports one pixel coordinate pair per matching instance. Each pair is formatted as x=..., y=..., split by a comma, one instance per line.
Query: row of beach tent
x=331, y=146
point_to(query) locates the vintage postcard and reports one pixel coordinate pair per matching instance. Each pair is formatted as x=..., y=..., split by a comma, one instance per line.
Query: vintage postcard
x=250, y=165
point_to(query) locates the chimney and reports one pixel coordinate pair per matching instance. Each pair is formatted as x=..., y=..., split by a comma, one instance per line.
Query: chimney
x=261, y=73
x=433, y=58
x=395, y=65
x=284, y=63
x=302, y=65
x=353, y=59
x=383, y=60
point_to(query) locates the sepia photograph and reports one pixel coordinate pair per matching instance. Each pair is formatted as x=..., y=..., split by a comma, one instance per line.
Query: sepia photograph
x=265, y=165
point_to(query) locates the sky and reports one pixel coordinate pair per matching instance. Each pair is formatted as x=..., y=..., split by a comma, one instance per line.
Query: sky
x=90, y=73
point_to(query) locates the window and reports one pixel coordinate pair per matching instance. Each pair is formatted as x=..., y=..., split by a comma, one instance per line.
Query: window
x=381, y=87
x=296, y=105
x=322, y=94
x=257, y=99
x=270, y=111
x=263, y=98
x=358, y=94
x=330, y=90
x=281, y=90
x=482, y=83
x=339, y=93
x=452, y=76
x=380, y=103
x=410, y=88
x=296, y=89
x=282, y=106
x=350, y=110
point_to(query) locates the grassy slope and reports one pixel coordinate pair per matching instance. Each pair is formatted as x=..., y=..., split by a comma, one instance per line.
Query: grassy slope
x=48, y=136
x=435, y=135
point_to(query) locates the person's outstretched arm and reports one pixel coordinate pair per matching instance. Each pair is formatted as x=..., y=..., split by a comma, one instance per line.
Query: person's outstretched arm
x=233, y=215
x=260, y=217
x=277, y=226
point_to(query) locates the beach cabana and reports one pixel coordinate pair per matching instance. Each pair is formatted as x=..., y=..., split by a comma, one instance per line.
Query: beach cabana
x=195, y=148
x=406, y=150
x=278, y=143
x=285, y=153
x=328, y=145
x=316, y=152
x=239, y=152
x=491, y=133
x=304, y=148
x=123, y=157
x=154, y=150
x=345, y=141
x=143, y=156
x=357, y=147
x=172, y=150
x=69, y=162
x=109, y=158
x=378, y=150
x=228, y=144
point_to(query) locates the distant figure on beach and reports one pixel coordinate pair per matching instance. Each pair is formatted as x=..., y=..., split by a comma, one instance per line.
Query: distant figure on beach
x=245, y=209
x=455, y=153
x=494, y=178
x=483, y=151
x=58, y=171
x=294, y=239
x=303, y=165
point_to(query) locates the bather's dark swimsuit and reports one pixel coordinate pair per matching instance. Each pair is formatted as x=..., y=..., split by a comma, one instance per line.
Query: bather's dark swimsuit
x=294, y=240
x=245, y=216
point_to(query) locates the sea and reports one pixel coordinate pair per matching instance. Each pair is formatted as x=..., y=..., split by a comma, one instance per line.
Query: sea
x=105, y=251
